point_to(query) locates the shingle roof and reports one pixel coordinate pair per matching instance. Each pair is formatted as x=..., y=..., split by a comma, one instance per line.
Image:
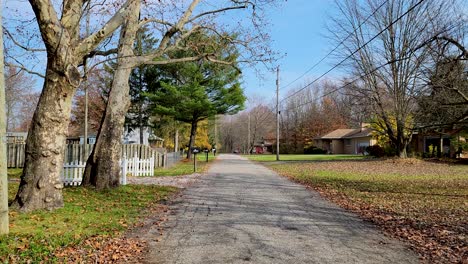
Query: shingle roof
x=347, y=133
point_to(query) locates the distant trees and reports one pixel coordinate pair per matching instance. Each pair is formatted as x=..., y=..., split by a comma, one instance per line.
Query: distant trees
x=247, y=128
x=20, y=99
x=311, y=113
x=98, y=85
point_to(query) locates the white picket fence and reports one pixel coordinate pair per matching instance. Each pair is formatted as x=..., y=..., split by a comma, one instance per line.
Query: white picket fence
x=72, y=173
x=140, y=167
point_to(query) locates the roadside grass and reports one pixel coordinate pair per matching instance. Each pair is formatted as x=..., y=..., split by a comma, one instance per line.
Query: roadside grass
x=422, y=202
x=303, y=157
x=14, y=173
x=38, y=236
x=185, y=166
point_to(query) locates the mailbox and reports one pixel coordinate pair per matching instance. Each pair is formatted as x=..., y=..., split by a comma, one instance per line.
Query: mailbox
x=195, y=150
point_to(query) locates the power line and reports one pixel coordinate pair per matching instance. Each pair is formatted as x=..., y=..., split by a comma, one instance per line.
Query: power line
x=338, y=88
x=354, y=52
x=334, y=49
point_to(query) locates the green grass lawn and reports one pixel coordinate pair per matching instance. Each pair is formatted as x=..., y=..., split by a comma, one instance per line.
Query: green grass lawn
x=37, y=236
x=302, y=157
x=14, y=173
x=185, y=167
x=423, y=202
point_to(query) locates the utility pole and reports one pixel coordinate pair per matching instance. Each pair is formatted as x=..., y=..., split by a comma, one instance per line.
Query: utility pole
x=277, y=114
x=4, y=225
x=215, y=133
x=248, y=136
x=176, y=137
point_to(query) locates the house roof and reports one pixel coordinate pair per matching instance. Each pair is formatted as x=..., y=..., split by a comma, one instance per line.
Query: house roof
x=347, y=133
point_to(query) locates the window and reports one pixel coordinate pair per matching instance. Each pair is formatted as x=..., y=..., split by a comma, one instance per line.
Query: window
x=347, y=142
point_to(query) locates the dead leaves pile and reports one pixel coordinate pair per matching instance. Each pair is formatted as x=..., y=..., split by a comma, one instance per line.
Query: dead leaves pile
x=102, y=250
x=438, y=237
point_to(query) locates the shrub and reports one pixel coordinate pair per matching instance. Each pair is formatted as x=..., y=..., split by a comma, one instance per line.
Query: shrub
x=376, y=151
x=314, y=150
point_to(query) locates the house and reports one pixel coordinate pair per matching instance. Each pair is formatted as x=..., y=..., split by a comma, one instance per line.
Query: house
x=132, y=136
x=263, y=147
x=80, y=139
x=346, y=141
x=431, y=142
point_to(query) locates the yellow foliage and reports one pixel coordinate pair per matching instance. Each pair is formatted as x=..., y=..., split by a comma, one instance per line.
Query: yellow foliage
x=380, y=130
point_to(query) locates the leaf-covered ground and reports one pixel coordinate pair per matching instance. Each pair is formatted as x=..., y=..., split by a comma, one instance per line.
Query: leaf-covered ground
x=421, y=202
x=88, y=229
x=303, y=157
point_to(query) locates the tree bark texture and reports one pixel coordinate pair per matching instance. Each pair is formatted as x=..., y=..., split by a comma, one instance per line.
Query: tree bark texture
x=41, y=186
x=103, y=166
x=4, y=218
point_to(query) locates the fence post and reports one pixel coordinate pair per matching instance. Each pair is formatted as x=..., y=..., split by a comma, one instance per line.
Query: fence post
x=135, y=165
x=123, y=165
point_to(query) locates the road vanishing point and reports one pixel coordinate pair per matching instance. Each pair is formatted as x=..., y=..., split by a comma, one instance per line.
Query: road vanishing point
x=242, y=212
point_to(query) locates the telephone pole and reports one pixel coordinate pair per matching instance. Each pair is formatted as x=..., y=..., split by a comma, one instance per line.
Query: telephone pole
x=4, y=225
x=277, y=114
x=248, y=135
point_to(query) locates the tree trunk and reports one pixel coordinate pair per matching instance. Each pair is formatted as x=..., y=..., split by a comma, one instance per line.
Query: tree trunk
x=140, y=123
x=4, y=222
x=440, y=147
x=176, y=140
x=193, y=134
x=103, y=166
x=41, y=186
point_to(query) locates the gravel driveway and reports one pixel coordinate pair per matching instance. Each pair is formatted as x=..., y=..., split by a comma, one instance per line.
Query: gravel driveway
x=242, y=212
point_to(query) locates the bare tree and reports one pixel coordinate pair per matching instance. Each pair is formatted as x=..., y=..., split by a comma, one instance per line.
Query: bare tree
x=389, y=51
x=18, y=93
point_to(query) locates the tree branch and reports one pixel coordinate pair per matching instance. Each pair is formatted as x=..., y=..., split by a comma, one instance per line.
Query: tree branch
x=48, y=22
x=456, y=43
x=19, y=44
x=90, y=43
x=216, y=11
x=154, y=20
x=24, y=69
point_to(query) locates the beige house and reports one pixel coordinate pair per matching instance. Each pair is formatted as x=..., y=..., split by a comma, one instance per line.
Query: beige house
x=346, y=141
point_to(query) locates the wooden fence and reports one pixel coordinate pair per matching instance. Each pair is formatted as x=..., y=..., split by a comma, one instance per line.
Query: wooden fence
x=76, y=153
x=15, y=155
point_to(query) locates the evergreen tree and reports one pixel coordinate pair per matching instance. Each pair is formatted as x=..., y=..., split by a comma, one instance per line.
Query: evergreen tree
x=191, y=92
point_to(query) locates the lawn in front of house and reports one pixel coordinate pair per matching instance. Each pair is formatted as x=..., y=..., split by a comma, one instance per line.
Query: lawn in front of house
x=185, y=166
x=425, y=203
x=39, y=236
x=302, y=157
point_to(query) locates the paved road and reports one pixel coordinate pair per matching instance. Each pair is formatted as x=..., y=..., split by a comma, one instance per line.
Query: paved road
x=242, y=212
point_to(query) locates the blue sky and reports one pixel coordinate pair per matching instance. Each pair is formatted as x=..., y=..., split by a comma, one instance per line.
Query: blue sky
x=298, y=31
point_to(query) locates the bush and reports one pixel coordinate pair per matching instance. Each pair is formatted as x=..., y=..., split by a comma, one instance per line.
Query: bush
x=314, y=150
x=376, y=151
